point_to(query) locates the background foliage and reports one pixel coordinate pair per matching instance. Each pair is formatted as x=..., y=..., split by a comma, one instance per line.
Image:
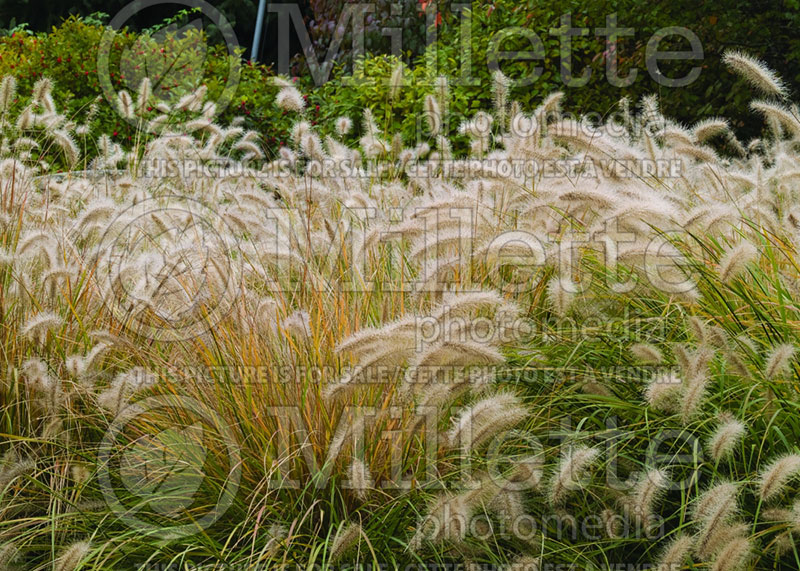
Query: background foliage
x=68, y=52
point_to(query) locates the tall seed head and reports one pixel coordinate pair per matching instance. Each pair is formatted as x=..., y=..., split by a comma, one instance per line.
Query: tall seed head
x=756, y=73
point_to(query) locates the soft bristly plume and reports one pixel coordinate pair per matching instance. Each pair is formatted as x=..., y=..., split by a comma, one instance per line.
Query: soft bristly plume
x=523, y=563
x=343, y=125
x=725, y=438
x=346, y=538
x=125, y=104
x=756, y=73
x=550, y=107
x=675, y=554
x=311, y=145
x=774, y=478
x=209, y=110
x=694, y=392
x=360, y=478
x=779, y=118
x=651, y=111
x=736, y=364
x=528, y=471
x=279, y=81
x=41, y=90
x=116, y=397
x=396, y=81
x=290, y=99
x=157, y=124
x=9, y=556
x=75, y=365
x=779, y=361
x=500, y=88
x=71, y=557
x=571, y=469
x=694, y=364
x=441, y=88
x=67, y=144
x=646, y=353
x=193, y=100
x=38, y=326
x=449, y=515
x=716, y=505
x=717, y=337
x=298, y=324
x=143, y=96
x=646, y=494
x=485, y=419
x=448, y=200
x=249, y=147
x=698, y=328
x=785, y=542
x=25, y=119
x=80, y=473
x=612, y=523
x=710, y=128
x=735, y=260
x=8, y=90
x=663, y=392
x=713, y=512
x=433, y=115
x=733, y=557
x=14, y=468
x=713, y=540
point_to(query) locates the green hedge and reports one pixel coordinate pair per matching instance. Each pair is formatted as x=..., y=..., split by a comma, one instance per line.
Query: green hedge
x=68, y=54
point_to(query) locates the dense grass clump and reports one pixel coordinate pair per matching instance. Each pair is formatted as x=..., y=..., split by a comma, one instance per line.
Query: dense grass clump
x=571, y=344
